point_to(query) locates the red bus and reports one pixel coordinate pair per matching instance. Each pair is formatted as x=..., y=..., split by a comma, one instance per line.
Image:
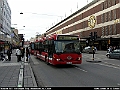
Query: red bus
x=35, y=46
x=60, y=49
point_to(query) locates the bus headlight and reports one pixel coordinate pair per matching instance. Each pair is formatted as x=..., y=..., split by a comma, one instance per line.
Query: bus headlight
x=58, y=59
x=55, y=57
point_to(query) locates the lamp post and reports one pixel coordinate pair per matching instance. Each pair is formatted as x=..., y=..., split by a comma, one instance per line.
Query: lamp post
x=93, y=37
x=21, y=38
x=42, y=14
x=45, y=15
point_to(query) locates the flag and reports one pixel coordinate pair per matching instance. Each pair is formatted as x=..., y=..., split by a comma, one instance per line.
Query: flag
x=12, y=34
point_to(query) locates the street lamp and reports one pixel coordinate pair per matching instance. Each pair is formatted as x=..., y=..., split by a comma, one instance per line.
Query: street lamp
x=21, y=13
x=42, y=14
x=13, y=24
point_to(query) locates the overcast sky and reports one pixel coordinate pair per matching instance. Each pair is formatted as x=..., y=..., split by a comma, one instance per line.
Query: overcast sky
x=40, y=15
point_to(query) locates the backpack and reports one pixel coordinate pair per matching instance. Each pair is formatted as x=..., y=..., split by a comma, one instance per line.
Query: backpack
x=8, y=52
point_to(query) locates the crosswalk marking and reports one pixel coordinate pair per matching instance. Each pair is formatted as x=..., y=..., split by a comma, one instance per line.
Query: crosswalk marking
x=9, y=64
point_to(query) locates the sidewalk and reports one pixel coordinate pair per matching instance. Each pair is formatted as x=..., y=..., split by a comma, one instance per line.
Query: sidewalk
x=10, y=73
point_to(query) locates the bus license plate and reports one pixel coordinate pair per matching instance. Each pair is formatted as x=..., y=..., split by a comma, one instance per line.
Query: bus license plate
x=69, y=62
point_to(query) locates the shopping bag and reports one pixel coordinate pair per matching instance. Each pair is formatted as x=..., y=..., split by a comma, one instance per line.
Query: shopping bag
x=6, y=58
x=28, y=56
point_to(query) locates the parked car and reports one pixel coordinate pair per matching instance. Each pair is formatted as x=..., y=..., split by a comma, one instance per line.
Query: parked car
x=89, y=50
x=114, y=54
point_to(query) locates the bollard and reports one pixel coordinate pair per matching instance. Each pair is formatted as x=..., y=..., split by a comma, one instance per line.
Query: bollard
x=93, y=54
x=20, y=80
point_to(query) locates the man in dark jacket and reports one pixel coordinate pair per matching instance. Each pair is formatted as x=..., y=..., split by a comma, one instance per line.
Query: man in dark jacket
x=22, y=51
x=9, y=54
x=27, y=53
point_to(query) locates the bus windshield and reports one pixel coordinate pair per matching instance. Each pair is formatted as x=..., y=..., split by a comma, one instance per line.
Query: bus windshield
x=67, y=46
x=32, y=46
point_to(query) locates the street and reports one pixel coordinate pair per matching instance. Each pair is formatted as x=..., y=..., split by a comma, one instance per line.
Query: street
x=87, y=74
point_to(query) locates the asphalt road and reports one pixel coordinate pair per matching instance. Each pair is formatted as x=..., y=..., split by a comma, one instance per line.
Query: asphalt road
x=88, y=74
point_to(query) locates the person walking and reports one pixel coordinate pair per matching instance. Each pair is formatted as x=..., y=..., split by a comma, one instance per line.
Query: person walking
x=22, y=51
x=27, y=53
x=9, y=54
x=18, y=54
x=109, y=49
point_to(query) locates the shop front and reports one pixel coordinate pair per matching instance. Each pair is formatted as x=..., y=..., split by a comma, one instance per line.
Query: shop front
x=4, y=46
x=1, y=45
x=104, y=43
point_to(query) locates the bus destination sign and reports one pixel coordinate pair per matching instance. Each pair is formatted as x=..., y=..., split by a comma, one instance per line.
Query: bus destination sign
x=63, y=37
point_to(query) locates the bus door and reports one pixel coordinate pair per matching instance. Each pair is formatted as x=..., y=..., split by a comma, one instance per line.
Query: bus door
x=50, y=50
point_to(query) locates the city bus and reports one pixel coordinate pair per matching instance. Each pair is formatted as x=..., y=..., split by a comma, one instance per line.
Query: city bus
x=60, y=49
x=35, y=47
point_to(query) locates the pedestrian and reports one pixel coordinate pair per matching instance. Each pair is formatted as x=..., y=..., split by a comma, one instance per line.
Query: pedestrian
x=18, y=54
x=109, y=49
x=2, y=56
x=27, y=53
x=22, y=51
x=9, y=54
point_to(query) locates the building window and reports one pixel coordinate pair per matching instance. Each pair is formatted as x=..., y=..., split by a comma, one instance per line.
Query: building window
x=3, y=4
x=106, y=17
x=105, y=4
x=103, y=31
x=114, y=14
x=4, y=13
x=114, y=29
x=1, y=9
x=102, y=18
x=110, y=29
x=106, y=30
x=109, y=3
x=109, y=16
x=81, y=16
x=102, y=6
x=113, y=2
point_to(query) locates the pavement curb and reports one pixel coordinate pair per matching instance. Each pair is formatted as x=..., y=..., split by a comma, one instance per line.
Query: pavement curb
x=33, y=77
x=21, y=76
x=95, y=61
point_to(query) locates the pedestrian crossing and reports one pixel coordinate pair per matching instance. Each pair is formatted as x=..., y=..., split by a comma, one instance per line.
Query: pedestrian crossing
x=9, y=64
x=96, y=56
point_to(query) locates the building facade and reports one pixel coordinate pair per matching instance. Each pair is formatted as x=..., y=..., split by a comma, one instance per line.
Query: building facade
x=5, y=24
x=5, y=21
x=101, y=16
x=15, y=39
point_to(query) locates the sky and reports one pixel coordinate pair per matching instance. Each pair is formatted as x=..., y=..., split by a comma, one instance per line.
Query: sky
x=40, y=15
